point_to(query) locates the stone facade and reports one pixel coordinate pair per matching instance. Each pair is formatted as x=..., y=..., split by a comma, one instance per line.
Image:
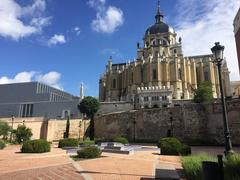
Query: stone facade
x=160, y=63
x=190, y=123
x=51, y=129
x=236, y=24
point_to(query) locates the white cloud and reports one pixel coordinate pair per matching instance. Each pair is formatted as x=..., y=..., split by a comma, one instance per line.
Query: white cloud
x=56, y=39
x=108, y=19
x=12, y=15
x=201, y=23
x=52, y=78
x=77, y=30
x=20, y=77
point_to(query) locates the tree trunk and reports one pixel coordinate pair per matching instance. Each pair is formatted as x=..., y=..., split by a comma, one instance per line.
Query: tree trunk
x=91, y=133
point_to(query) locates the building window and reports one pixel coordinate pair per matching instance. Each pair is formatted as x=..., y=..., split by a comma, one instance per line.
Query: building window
x=175, y=51
x=146, y=98
x=154, y=74
x=179, y=73
x=114, y=83
x=141, y=74
x=206, y=76
x=132, y=77
x=26, y=110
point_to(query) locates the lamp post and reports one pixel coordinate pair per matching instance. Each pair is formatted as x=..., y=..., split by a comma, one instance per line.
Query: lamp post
x=217, y=51
x=134, y=130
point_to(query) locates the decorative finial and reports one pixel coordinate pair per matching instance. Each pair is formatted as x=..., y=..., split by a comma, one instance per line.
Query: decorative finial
x=158, y=7
x=159, y=16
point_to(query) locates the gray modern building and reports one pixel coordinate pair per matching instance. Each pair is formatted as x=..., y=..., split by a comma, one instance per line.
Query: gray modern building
x=34, y=99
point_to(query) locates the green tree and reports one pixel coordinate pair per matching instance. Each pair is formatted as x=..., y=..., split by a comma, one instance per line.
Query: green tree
x=66, y=135
x=89, y=106
x=22, y=133
x=203, y=93
x=4, y=129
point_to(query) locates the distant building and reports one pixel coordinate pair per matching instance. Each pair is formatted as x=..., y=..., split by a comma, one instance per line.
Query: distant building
x=160, y=72
x=34, y=99
x=235, y=86
x=236, y=24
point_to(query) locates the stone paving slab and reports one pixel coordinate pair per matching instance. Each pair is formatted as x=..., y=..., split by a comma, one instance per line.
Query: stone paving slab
x=138, y=166
x=62, y=172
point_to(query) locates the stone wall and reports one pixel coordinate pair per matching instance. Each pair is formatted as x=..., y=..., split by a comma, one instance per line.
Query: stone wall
x=51, y=129
x=190, y=122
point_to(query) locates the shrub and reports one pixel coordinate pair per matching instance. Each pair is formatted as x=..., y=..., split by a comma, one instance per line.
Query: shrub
x=100, y=140
x=22, y=134
x=35, y=146
x=4, y=129
x=185, y=150
x=70, y=142
x=121, y=140
x=232, y=167
x=87, y=143
x=170, y=146
x=192, y=165
x=89, y=152
x=2, y=144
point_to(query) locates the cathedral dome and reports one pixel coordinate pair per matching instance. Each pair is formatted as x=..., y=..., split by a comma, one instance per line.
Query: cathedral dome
x=159, y=26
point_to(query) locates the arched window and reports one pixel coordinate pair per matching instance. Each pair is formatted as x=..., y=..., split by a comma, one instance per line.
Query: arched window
x=175, y=51
x=114, y=83
x=206, y=76
x=141, y=74
x=132, y=77
x=154, y=75
x=179, y=73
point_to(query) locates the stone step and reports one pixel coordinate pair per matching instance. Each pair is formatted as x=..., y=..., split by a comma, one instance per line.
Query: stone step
x=166, y=172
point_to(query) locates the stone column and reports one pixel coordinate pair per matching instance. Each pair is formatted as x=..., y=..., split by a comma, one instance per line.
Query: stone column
x=184, y=86
x=194, y=74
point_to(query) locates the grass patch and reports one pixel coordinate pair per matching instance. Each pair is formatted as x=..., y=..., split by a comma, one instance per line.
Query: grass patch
x=232, y=167
x=193, y=165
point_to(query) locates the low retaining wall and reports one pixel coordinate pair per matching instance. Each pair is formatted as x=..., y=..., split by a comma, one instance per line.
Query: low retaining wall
x=51, y=129
x=194, y=123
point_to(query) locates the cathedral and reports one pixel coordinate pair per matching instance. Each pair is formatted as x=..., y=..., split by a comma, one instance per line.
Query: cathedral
x=160, y=73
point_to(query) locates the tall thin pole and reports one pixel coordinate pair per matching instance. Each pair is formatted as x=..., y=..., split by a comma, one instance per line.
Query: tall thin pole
x=228, y=143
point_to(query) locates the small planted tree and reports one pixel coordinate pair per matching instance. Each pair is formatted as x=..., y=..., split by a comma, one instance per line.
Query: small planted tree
x=22, y=133
x=4, y=129
x=66, y=134
x=203, y=93
x=89, y=106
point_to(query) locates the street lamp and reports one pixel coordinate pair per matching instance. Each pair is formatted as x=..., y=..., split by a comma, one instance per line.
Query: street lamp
x=217, y=51
x=134, y=131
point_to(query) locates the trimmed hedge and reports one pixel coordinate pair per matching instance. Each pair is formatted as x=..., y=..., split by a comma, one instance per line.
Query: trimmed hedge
x=185, y=150
x=68, y=142
x=89, y=152
x=122, y=140
x=172, y=146
x=86, y=143
x=2, y=144
x=35, y=146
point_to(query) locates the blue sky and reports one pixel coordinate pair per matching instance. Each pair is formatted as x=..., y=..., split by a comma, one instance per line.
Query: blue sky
x=65, y=42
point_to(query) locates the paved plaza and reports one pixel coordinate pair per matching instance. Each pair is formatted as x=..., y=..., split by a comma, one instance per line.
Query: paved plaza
x=57, y=165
